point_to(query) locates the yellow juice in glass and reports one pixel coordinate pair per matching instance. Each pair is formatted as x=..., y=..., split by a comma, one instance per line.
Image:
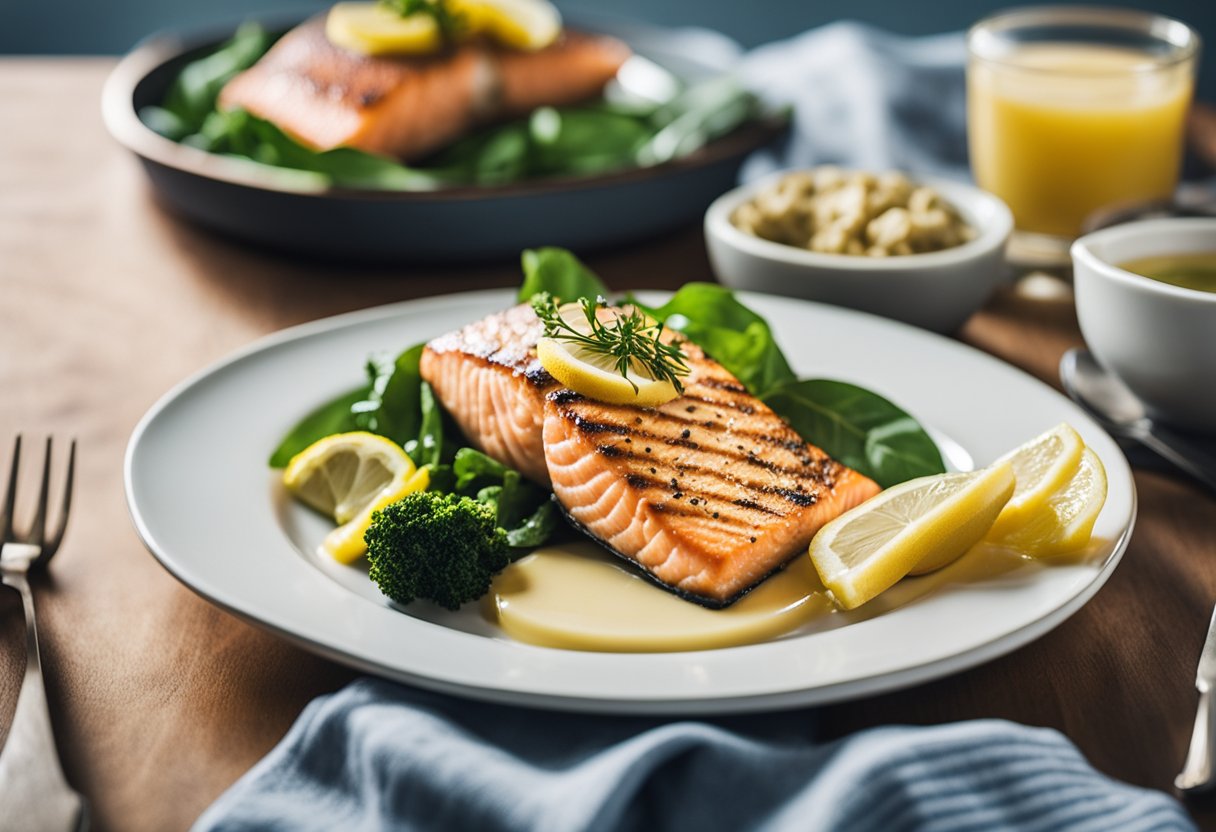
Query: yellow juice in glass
x=1059, y=130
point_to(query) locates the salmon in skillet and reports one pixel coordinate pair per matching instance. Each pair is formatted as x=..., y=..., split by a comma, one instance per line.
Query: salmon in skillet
x=325, y=96
x=709, y=493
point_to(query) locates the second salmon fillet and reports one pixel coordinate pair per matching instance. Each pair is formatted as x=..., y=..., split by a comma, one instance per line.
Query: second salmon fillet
x=708, y=494
x=325, y=96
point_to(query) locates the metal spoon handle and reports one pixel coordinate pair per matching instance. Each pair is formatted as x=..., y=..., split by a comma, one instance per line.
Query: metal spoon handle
x=1197, y=771
x=1184, y=453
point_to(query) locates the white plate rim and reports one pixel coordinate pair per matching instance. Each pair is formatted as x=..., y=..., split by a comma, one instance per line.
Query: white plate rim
x=622, y=701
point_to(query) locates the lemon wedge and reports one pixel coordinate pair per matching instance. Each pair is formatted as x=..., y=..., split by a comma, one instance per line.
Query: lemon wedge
x=520, y=24
x=594, y=374
x=1042, y=466
x=348, y=476
x=1066, y=521
x=921, y=524
x=373, y=29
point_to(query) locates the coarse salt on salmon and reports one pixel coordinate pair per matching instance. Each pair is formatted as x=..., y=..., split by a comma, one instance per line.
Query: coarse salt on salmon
x=487, y=377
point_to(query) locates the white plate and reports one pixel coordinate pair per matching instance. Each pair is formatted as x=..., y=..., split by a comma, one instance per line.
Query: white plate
x=207, y=506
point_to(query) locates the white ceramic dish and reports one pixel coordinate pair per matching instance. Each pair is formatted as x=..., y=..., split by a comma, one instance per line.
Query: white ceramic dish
x=226, y=529
x=1159, y=339
x=937, y=291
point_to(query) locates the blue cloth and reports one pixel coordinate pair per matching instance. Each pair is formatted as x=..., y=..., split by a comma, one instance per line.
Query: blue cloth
x=377, y=755
x=864, y=98
x=380, y=756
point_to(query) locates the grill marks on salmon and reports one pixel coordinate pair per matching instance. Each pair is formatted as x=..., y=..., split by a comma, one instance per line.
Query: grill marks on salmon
x=708, y=494
x=325, y=96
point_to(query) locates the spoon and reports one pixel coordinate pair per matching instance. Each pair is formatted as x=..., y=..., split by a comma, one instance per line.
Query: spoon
x=1110, y=402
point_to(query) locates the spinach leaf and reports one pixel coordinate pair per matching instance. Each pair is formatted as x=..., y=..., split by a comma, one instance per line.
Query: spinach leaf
x=332, y=417
x=192, y=96
x=522, y=508
x=518, y=499
x=393, y=406
x=536, y=528
x=238, y=133
x=441, y=478
x=697, y=116
x=560, y=273
x=583, y=140
x=735, y=336
x=494, y=156
x=473, y=470
x=428, y=448
x=858, y=428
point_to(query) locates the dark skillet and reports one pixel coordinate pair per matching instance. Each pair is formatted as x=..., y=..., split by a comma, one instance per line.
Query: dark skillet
x=452, y=225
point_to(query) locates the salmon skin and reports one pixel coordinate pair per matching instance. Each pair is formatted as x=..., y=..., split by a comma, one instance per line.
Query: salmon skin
x=709, y=494
x=325, y=96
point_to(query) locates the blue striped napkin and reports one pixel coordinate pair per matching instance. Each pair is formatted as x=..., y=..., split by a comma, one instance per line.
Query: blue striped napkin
x=377, y=755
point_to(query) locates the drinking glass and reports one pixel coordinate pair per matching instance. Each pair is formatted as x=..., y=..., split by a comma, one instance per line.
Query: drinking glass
x=1072, y=110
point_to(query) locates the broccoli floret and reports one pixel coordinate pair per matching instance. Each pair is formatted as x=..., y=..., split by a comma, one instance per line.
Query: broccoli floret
x=442, y=547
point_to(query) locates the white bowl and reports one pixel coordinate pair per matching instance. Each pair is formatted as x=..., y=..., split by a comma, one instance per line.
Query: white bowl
x=1158, y=338
x=937, y=291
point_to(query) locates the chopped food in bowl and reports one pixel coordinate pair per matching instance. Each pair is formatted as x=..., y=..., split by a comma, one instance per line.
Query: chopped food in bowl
x=771, y=235
x=837, y=211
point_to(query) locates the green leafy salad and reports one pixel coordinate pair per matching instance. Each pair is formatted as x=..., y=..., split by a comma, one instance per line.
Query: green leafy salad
x=611, y=133
x=489, y=514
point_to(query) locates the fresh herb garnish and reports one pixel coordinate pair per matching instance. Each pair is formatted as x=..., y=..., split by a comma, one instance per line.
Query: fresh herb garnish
x=450, y=23
x=630, y=338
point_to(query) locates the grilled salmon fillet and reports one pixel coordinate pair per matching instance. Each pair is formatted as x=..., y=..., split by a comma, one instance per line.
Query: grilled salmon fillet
x=708, y=494
x=325, y=96
x=487, y=377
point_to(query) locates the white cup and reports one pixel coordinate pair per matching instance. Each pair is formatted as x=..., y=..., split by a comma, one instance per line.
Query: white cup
x=1158, y=338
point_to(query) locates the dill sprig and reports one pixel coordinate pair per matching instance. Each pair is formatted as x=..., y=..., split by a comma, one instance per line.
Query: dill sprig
x=630, y=338
x=450, y=23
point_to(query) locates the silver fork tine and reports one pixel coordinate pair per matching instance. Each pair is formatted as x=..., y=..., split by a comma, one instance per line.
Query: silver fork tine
x=52, y=545
x=32, y=786
x=10, y=495
x=38, y=527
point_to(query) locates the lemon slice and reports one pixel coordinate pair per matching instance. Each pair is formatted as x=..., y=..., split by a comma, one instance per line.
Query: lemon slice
x=1042, y=466
x=373, y=29
x=920, y=524
x=520, y=24
x=595, y=375
x=1066, y=522
x=348, y=476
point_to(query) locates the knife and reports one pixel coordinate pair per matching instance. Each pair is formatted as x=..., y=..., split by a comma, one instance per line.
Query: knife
x=1197, y=772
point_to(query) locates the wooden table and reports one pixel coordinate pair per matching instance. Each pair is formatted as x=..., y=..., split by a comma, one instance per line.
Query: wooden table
x=161, y=700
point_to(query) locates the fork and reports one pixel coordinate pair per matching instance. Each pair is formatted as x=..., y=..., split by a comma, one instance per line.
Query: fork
x=33, y=791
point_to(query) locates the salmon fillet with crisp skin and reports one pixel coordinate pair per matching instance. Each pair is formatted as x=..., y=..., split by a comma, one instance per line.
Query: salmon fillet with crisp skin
x=709, y=494
x=325, y=96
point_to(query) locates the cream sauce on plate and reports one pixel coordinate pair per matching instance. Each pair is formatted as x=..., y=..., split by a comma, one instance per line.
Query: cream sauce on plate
x=577, y=596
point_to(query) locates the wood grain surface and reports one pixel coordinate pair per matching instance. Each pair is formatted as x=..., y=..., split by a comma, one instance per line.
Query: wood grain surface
x=161, y=700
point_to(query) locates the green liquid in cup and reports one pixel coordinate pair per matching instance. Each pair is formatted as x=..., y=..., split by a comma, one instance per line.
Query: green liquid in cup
x=1190, y=271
